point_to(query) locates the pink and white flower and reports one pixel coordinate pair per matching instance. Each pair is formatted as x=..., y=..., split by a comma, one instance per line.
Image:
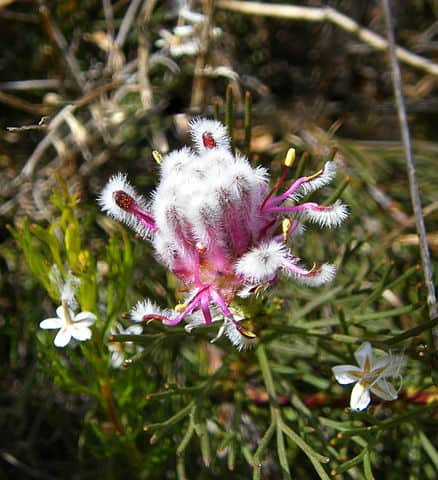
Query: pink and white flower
x=214, y=222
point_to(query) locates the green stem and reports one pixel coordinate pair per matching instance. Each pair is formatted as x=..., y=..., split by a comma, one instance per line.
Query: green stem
x=247, y=124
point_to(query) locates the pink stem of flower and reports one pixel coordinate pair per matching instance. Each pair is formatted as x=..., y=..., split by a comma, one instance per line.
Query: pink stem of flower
x=296, y=208
x=144, y=217
x=285, y=195
x=295, y=269
x=206, y=309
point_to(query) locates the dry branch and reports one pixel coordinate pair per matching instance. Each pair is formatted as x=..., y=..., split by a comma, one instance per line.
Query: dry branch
x=328, y=14
x=412, y=176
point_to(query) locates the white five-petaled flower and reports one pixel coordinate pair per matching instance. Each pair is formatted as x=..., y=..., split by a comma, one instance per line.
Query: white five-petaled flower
x=69, y=325
x=118, y=350
x=371, y=375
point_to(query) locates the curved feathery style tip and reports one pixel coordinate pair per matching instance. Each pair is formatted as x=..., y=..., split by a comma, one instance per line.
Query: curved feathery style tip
x=241, y=340
x=314, y=277
x=326, y=216
x=145, y=308
x=120, y=200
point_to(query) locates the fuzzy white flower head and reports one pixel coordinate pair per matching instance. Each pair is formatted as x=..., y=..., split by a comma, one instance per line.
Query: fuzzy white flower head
x=370, y=376
x=208, y=134
x=69, y=325
x=215, y=225
x=261, y=263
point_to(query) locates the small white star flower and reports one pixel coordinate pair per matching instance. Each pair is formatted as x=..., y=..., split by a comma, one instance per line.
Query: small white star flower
x=118, y=350
x=369, y=376
x=69, y=325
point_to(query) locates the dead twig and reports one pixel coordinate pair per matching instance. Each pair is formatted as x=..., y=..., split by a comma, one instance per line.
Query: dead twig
x=20, y=104
x=328, y=14
x=33, y=160
x=412, y=176
x=126, y=23
x=144, y=55
x=198, y=88
x=48, y=84
x=58, y=39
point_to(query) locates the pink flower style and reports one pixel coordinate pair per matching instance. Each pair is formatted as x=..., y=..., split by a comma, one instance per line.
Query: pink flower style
x=214, y=222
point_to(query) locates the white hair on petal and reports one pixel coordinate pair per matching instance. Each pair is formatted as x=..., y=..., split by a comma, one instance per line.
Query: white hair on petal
x=327, y=176
x=200, y=126
x=330, y=216
x=262, y=262
x=240, y=341
x=146, y=307
x=174, y=162
x=119, y=183
x=324, y=274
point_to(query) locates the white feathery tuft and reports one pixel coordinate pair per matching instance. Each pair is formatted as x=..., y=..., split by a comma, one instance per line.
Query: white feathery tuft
x=119, y=182
x=327, y=216
x=241, y=342
x=174, y=162
x=262, y=262
x=200, y=126
x=146, y=307
x=324, y=274
x=327, y=176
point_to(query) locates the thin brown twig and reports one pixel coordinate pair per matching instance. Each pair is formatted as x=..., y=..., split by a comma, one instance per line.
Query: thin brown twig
x=49, y=84
x=328, y=14
x=25, y=106
x=60, y=42
x=198, y=88
x=126, y=23
x=412, y=176
x=143, y=55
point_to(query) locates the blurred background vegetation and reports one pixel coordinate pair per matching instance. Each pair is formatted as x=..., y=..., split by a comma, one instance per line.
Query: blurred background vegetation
x=85, y=91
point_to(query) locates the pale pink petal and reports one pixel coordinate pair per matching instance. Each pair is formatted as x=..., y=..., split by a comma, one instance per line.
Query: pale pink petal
x=86, y=318
x=80, y=332
x=62, y=338
x=360, y=397
x=364, y=356
x=346, y=374
x=51, y=323
x=384, y=390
